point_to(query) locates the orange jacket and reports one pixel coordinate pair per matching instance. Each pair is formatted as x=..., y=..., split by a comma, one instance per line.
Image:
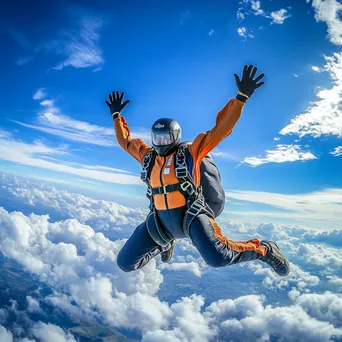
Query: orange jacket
x=163, y=171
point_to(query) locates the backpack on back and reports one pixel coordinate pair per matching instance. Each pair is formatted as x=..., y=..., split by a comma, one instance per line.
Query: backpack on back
x=210, y=181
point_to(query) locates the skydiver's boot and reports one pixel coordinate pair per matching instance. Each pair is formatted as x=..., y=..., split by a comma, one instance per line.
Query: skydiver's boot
x=275, y=259
x=167, y=255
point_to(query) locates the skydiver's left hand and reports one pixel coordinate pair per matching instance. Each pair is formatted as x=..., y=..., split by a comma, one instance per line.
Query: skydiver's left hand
x=247, y=85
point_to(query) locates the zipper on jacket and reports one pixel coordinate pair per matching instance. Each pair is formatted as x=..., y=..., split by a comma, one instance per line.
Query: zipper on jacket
x=161, y=182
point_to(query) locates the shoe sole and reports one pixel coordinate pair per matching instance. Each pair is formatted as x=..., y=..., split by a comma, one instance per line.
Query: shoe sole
x=275, y=250
x=170, y=252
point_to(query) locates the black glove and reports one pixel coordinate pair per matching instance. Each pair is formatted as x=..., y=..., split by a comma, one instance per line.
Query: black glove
x=115, y=105
x=247, y=85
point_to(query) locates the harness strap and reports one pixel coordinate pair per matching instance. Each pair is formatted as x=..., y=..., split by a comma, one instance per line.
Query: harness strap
x=161, y=237
x=166, y=189
x=192, y=193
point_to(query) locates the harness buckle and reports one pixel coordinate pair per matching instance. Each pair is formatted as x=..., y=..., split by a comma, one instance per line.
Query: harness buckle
x=181, y=172
x=149, y=191
x=195, y=208
x=188, y=187
x=164, y=190
x=143, y=175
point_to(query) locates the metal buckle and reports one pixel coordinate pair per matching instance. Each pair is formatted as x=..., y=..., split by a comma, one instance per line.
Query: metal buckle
x=186, y=185
x=143, y=175
x=149, y=191
x=181, y=172
x=164, y=190
x=195, y=208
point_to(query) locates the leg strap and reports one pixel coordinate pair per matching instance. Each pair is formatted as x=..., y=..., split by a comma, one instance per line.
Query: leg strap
x=157, y=233
x=196, y=207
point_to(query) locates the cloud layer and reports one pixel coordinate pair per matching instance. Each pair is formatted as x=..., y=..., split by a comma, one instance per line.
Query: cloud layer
x=79, y=264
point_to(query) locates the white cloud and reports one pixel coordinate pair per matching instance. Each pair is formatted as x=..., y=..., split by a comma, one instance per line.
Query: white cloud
x=23, y=60
x=319, y=209
x=188, y=322
x=246, y=318
x=88, y=134
x=254, y=7
x=320, y=255
x=5, y=134
x=316, y=68
x=323, y=116
x=192, y=267
x=100, y=214
x=211, y=32
x=80, y=47
x=297, y=277
x=283, y=153
x=34, y=154
x=51, y=121
x=223, y=155
x=335, y=280
x=39, y=94
x=325, y=307
x=5, y=336
x=50, y=332
x=84, y=269
x=33, y=305
x=337, y=152
x=333, y=237
x=80, y=266
x=278, y=17
x=242, y=31
x=329, y=12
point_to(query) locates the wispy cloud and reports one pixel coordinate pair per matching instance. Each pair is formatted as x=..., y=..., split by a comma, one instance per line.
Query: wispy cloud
x=243, y=32
x=211, y=32
x=337, y=152
x=20, y=39
x=321, y=209
x=316, y=68
x=80, y=47
x=329, y=12
x=51, y=121
x=252, y=7
x=23, y=60
x=278, y=17
x=24, y=43
x=80, y=131
x=184, y=17
x=39, y=94
x=282, y=154
x=223, y=155
x=323, y=116
x=35, y=154
x=87, y=133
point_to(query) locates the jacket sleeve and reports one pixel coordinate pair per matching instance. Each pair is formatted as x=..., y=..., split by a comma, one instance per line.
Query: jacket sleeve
x=135, y=147
x=205, y=142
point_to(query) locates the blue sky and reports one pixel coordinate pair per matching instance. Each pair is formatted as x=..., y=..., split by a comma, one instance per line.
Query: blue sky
x=177, y=60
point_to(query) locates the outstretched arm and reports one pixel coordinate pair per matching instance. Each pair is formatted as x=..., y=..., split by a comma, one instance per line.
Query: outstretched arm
x=135, y=147
x=226, y=119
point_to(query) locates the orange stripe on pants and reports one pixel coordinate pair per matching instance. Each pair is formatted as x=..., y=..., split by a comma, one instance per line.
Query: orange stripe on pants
x=250, y=245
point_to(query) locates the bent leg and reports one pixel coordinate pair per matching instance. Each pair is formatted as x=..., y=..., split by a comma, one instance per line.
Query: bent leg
x=138, y=250
x=217, y=250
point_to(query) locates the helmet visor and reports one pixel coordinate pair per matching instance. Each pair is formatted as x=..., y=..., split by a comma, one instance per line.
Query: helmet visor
x=162, y=138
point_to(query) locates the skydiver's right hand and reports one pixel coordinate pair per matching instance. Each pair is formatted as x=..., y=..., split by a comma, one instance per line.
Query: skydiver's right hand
x=115, y=105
